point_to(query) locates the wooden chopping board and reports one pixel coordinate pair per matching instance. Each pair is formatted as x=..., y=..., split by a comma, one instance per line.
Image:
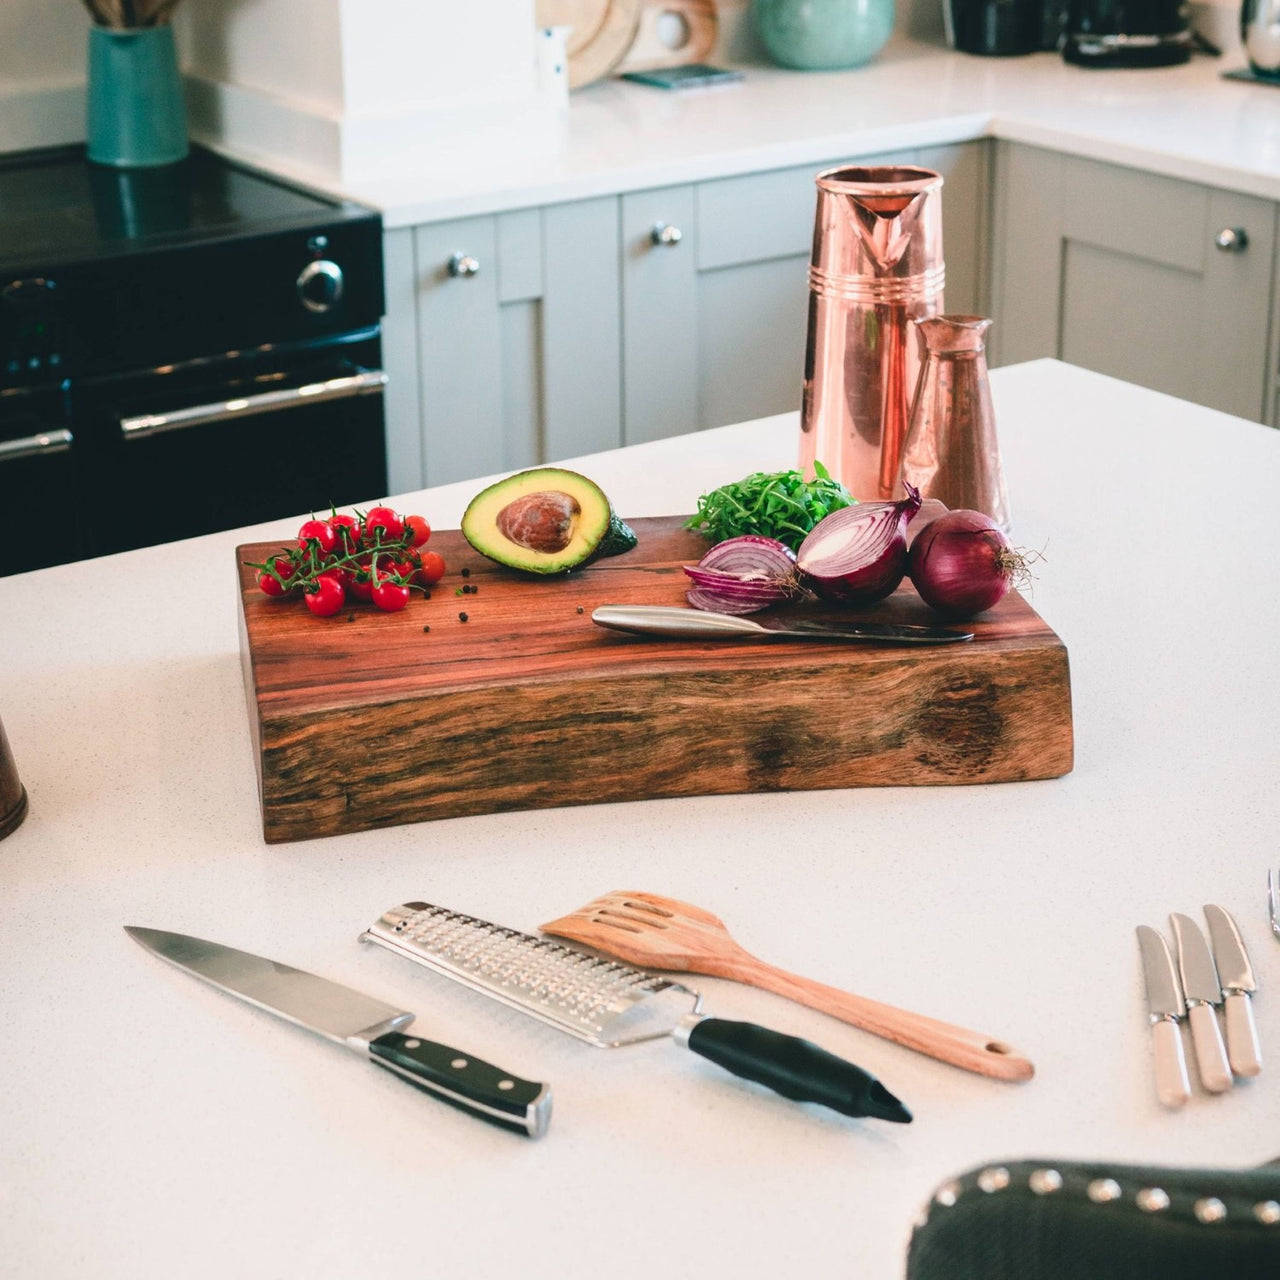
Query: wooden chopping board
x=368, y=719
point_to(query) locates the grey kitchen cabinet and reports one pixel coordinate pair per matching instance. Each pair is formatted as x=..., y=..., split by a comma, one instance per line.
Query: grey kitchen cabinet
x=502, y=341
x=715, y=287
x=1155, y=280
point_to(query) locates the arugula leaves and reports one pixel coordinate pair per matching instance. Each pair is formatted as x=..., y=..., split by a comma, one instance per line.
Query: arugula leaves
x=780, y=504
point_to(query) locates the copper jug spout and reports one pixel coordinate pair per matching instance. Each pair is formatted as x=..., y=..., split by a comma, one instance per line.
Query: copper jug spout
x=877, y=264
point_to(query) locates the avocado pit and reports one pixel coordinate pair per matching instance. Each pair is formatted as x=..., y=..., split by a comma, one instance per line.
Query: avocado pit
x=542, y=521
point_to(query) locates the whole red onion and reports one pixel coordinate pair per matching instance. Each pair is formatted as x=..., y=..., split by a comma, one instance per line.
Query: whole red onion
x=962, y=563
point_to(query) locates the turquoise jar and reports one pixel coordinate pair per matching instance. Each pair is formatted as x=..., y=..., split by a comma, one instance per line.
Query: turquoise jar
x=823, y=35
x=136, y=115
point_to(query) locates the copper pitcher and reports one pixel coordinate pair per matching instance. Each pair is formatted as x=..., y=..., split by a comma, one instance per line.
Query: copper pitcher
x=877, y=264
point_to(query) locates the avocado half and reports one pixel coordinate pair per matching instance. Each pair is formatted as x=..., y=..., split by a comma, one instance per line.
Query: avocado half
x=547, y=520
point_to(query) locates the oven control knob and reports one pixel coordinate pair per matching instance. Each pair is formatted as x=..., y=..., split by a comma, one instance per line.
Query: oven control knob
x=320, y=285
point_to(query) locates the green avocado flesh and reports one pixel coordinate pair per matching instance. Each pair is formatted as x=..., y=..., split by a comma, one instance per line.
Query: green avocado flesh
x=547, y=520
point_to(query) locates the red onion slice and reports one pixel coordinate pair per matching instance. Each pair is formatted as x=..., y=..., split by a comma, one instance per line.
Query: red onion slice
x=858, y=554
x=743, y=575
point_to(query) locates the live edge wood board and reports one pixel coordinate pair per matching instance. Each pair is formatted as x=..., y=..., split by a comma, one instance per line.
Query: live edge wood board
x=375, y=720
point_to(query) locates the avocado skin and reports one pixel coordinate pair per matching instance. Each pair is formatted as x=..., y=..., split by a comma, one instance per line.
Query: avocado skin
x=598, y=531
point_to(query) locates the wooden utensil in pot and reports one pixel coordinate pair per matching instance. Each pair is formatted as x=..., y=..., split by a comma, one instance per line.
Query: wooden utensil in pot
x=661, y=933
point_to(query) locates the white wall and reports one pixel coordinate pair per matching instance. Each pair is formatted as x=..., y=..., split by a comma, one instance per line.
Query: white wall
x=42, y=56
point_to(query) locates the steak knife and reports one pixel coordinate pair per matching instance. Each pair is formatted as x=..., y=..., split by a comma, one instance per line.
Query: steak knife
x=1164, y=1006
x=1238, y=984
x=676, y=623
x=361, y=1023
x=1201, y=988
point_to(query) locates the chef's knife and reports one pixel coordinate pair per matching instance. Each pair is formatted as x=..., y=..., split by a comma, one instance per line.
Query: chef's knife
x=1165, y=1006
x=1236, y=974
x=361, y=1023
x=1200, y=986
x=675, y=623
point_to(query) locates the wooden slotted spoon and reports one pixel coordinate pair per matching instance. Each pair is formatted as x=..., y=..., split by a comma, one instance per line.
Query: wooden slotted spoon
x=660, y=933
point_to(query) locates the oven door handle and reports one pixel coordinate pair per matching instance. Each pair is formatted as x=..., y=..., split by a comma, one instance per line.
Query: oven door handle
x=40, y=445
x=366, y=382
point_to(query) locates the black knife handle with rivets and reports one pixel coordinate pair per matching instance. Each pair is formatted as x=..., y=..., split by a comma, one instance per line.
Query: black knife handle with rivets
x=476, y=1086
x=795, y=1068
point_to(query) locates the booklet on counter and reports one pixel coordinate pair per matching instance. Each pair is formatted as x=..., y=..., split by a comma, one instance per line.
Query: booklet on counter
x=696, y=75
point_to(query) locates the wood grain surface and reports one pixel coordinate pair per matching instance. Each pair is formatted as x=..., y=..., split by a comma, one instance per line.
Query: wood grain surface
x=528, y=704
x=649, y=50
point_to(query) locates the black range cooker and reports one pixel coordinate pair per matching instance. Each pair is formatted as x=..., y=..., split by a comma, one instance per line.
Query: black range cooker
x=182, y=350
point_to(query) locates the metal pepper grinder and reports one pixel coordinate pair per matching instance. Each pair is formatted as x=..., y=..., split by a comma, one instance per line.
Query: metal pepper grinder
x=877, y=265
x=13, y=797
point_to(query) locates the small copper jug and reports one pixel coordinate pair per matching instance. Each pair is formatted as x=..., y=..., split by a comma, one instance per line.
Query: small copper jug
x=951, y=452
x=13, y=798
x=877, y=264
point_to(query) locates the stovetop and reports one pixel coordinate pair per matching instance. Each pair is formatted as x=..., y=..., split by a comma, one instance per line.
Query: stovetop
x=58, y=208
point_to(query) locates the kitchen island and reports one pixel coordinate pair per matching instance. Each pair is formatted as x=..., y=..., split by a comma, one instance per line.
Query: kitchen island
x=154, y=1127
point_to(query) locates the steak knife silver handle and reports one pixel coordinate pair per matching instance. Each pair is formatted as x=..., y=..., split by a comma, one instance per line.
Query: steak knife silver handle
x=1173, y=1088
x=1242, y=1034
x=467, y=1082
x=1211, y=1055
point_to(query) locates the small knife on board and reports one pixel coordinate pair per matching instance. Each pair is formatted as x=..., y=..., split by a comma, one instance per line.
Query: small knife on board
x=1238, y=986
x=361, y=1023
x=1164, y=1006
x=1202, y=990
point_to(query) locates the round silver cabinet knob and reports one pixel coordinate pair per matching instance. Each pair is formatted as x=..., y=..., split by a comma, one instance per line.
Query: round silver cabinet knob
x=665, y=234
x=320, y=285
x=463, y=264
x=1232, y=239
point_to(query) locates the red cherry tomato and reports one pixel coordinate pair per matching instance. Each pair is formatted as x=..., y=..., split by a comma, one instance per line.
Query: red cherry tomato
x=360, y=589
x=390, y=597
x=327, y=598
x=384, y=521
x=269, y=586
x=432, y=567
x=277, y=584
x=322, y=532
x=420, y=529
x=347, y=529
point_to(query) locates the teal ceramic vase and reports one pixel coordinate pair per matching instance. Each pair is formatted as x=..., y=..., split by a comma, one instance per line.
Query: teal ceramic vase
x=823, y=35
x=136, y=116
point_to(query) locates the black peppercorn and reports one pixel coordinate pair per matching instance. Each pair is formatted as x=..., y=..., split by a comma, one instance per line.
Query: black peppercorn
x=462, y=617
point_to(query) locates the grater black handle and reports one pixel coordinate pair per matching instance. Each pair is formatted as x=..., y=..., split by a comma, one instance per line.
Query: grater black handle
x=795, y=1068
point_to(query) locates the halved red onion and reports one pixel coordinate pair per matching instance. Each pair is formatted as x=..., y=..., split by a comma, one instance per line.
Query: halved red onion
x=743, y=575
x=858, y=555
x=962, y=563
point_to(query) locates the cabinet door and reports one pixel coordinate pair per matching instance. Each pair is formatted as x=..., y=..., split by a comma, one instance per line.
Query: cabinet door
x=714, y=319
x=1122, y=272
x=517, y=345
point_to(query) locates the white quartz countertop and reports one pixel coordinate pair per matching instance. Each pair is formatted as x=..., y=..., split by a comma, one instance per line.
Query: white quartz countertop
x=153, y=1127
x=1184, y=122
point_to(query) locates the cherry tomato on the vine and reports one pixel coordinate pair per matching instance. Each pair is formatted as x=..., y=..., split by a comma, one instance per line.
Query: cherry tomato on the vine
x=347, y=529
x=360, y=589
x=432, y=567
x=327, y=598
x=269, y=585
x=386, y=521
x=321, y=532
x=420, y=529
x=390, y=597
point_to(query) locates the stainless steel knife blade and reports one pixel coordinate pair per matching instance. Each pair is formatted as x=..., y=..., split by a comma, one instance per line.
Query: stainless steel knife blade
x=359, y=1022
x=1238, y=984
x=701, y=624
x=1165, y=1006
x=1200, y=986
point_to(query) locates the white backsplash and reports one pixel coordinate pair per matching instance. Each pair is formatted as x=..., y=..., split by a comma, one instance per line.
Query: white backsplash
x=331, y=90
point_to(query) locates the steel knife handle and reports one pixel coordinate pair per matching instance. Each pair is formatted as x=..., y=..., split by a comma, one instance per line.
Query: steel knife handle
x=1172, y=1086
x=1242, y=1035
x=795, y=1068
x=1211, y=1054
x=479, y=1087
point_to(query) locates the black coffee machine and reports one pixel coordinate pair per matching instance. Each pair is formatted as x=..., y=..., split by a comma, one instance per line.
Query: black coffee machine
x=1127, y=33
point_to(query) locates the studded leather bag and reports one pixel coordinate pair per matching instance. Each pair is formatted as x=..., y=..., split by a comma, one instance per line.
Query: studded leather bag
x=1067, y=1220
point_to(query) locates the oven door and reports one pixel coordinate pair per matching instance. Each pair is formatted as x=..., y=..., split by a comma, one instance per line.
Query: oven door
x=37, y=485
x=213, y=445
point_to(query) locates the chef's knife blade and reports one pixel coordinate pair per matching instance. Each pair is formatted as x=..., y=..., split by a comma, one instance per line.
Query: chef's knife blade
x=361, y=1023
x=1164, y=1006
x=701, y=624
x=1236, y=974
x=1200, y=986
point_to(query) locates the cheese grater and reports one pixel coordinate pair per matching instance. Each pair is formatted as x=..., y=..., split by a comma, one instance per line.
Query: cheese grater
x=610, y=1004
